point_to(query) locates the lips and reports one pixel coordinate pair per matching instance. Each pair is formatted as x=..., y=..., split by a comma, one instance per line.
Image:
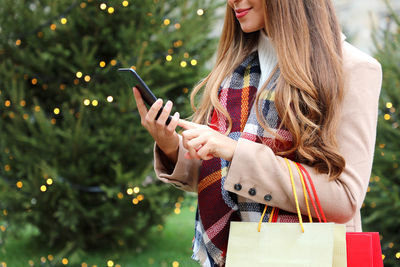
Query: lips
x=242, y=12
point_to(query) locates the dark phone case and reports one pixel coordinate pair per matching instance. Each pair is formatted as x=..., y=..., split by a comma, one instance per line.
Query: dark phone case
x=133, y=79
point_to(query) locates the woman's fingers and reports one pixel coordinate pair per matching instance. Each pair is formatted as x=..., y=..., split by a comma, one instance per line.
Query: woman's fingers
x=164, y=114
x=139, y=103
x=173, y=124
x=153, y=111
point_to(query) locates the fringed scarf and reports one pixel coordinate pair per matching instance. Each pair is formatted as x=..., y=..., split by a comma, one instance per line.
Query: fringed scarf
x=216, y=206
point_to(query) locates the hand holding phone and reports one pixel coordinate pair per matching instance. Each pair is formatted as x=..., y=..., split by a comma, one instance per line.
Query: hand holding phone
x=133, y=79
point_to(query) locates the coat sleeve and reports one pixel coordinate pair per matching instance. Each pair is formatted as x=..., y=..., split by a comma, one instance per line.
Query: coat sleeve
x=254, y=166
x=183, y=175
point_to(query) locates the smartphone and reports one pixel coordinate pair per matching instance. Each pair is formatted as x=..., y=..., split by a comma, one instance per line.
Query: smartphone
x=133, y=79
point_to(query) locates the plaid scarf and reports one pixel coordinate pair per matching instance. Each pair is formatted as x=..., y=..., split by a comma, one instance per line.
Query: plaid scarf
x=216, y=206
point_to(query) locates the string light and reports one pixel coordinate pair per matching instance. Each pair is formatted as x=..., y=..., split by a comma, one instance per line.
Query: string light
x=140, y=197
x=177, y=211
x=87, y=78
x=56, y=111
x=120, y=195
x=193, y=62
x=43, y=259
x=53, y=121
x=79, y=74
x=103, y=6
x=64, y=261
x=40, y=34
x=95, y=103
x=168, y=58
x=25, y=116
x=50, y=257
x=22, y=103
x=7, y=168
x=53, y=27
x=34, y=81
x=110, y=10
x=125, y=3
x=135, y=201
x=177, y=26
x=83, y=5
x=19, y=184
x=129, y=191
x=167, y=22
x=186, y=55
x=102, y=64
x=398, y=255
x=183, y=64
x=31, y=263
x=200, y=12
x=110, y=263
x=178, y=205
x=62, y=86
x=175, y=264
x=386, y=117
x=7, y=103
x=110, y=99
x=64, y=21
x=136, y=190
x=84, y=264
x=43, y=188
x=113, y=62
x=389, y=105
x=18, y=42
x=49, y=181
x=86, y=102
x=2, y=228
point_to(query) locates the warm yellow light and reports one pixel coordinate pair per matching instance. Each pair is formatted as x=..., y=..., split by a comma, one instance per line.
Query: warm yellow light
x=200, y=12
x=175, y=264
x=84, y=264
x=178, y=205
x=389, y=105
x=19, y=184
x=18, y=42
x=7, y=168
x=43, y=259
x=25, y=116
x=177, y=26
x=40, y=34
x=5, y=212
x=170, y=51
x=86, y=102
x=79, y=74
x=168, y=58
x=49, y=181
x=34, y=81
x=398, y=255
x=117, y=265
x=120, y=195
x=56, y=111
x=2, y=228
x=43, y=188
x=50, y=257
x=129, y=191
x=110, y=10
x=136, y=190
x=113, y=62
x=140, y=197
x=95, y=103
x=110, y=99
x=177, y=211
x=7, y=103
x=186, y=55
x=76, y=81
x=64, y=261
x=12, y=115
x=135, y=201
x=102, y=64
x=183, y=64
x=22, y=103
x=193, y=62
x=31, y=263
x=386, y=117
x=103, y=6
x=180, y=199
x=64, y=21
x=53, y=27
x=125, y=3
x=53, y=121
x=383, y=256
x=166, y=22
x=83, y=5
x=110, y=263
x=87, y=78
x=62, y=86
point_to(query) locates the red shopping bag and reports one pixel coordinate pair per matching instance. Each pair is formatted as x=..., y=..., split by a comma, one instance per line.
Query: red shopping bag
x=363, y=248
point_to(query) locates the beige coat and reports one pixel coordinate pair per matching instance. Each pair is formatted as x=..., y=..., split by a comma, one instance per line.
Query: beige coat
x=255, y=166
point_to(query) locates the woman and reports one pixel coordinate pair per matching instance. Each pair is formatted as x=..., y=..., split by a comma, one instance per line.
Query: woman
x=285, y=84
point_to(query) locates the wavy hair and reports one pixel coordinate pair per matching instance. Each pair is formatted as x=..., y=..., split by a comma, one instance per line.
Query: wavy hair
x=307, y=39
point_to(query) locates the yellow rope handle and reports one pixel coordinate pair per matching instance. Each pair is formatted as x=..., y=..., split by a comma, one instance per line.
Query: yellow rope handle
x=262, y=216
x=305, y=193
x=295, y=195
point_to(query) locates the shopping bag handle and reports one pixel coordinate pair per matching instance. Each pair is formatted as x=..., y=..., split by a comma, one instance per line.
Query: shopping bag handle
x=295, y=198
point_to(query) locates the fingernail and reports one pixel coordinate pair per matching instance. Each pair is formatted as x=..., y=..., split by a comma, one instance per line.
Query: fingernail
x=169, y=103
x=177, y=115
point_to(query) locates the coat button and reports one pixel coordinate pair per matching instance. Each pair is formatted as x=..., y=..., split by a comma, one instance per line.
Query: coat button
x=252, y=192
x=267, y=197
x=238, y=187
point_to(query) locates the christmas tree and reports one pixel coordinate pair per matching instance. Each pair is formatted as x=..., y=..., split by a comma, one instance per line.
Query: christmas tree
x=381, y=210
x=75, y=161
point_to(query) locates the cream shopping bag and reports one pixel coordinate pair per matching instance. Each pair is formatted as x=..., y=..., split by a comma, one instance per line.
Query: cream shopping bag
x=286, y=244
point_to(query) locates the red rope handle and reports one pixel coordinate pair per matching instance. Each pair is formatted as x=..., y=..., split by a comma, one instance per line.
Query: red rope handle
x=314, y=191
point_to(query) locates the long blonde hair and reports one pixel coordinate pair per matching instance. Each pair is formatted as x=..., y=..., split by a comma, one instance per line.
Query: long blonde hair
x=309, y=90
